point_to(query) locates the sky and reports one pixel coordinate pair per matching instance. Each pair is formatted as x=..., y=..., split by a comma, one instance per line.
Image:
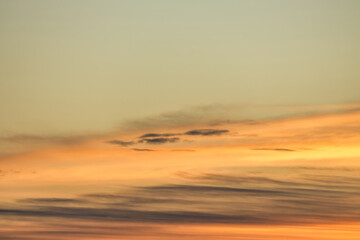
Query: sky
x=179, y=119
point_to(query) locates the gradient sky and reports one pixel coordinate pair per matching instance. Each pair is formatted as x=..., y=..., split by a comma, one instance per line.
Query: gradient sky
x=79, y=66
x=182, y=119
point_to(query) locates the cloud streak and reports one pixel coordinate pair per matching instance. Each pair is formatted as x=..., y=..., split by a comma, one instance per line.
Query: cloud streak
x=155, y=135
x=276, y=149
x=211, y=198
x=121, y=143
x=159, y=140
x=206, y=132
x=143, y=149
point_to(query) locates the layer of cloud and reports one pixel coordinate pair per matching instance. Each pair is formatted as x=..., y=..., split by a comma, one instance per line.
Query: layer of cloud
x=230, y=117
x=214, y=198
x=260, y=196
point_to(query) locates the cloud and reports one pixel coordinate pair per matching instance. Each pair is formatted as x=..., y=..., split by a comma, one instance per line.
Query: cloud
x=143, y=149
x=215, y=114
x=206, y=132
x=206, y=115
x=162, y=138
x=159, y=140
x=128, y=215
x=152, y=135
x=210, y=190
x=51, y=200
x=81, y=230
x=121, y=143
x=214, y=198
x=226, y=179
x=263, y=197
x=275, y=149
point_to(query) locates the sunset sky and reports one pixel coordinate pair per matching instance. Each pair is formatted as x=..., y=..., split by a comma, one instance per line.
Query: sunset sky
x=165, y=119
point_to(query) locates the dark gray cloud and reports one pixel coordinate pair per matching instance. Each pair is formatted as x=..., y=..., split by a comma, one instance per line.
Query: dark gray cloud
x=194, y=132
x=163, y=138
x=154, y=135
x=121, y=143
x=159, y=140
x=206, y=132
x=143, y=149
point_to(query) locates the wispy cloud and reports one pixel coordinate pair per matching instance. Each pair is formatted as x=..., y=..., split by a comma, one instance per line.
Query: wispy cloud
x=121, y=143
x=50, y=200
x=143, y=149
x=256, y=196
x=276, y=149
x=212, y=198
x=159, y=140
x=206, y=132
x=154, y=135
